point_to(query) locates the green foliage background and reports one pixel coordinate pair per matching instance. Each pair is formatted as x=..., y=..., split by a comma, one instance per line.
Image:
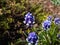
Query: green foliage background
x=9, y=9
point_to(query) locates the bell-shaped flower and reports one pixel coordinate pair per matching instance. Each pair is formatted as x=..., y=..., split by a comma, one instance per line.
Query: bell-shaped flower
x=29, y=19
x=46, y=24
x=32, y=37
x=57, y=20
x=49, y=18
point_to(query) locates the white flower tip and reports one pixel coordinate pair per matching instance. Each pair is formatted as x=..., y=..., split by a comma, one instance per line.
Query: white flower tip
x=33, y=22
x=24, y=21
x=31, y=14
x=37, y=40
x=31, y=41
x=29, y=22
x=28, y=16
x=26, y=39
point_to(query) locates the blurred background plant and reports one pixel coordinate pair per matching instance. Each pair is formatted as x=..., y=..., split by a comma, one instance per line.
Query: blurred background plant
x=12, y=28
x=56, y=2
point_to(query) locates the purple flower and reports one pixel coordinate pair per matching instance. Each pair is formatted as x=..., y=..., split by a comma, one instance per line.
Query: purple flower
x=57, y=20
x=29, y=19
x=49, y=17
x=46, y=24
x=32, y=37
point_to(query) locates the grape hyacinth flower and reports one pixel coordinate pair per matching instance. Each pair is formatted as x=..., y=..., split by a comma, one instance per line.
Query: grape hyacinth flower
x=29, y=19
x=49, y=18
x=32, y=38
x=47, y=23
x=57, y=21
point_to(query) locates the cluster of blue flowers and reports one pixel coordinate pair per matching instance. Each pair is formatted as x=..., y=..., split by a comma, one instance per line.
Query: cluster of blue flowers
x=29, y=19
x=46, y=24
x=57, y=21
x=32, y=37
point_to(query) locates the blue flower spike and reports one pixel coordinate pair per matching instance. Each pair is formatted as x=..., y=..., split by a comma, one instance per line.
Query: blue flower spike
x=32, y=38
x=29, y=19
x=57, y=21
x=49, y=18
x=47, y=23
